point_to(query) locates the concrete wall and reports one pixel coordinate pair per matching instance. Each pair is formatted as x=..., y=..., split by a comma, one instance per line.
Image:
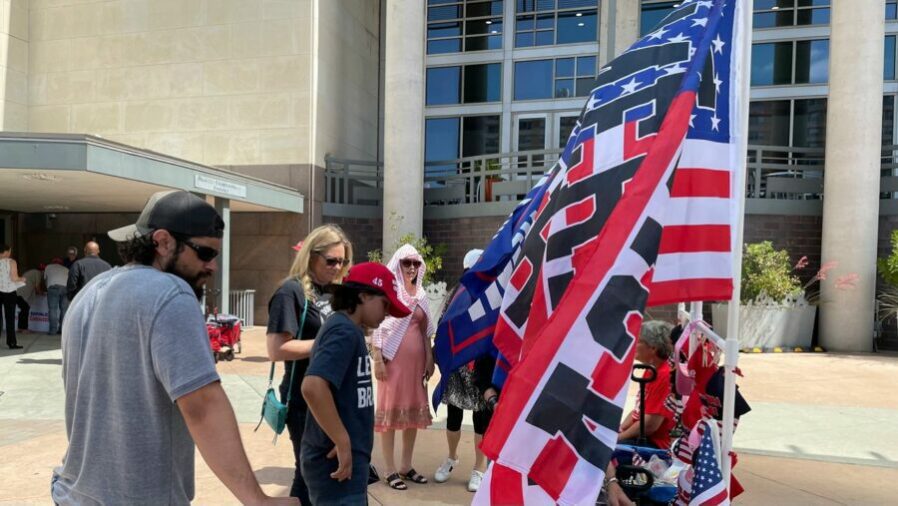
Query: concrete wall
x=14, y=65
x=220, y=82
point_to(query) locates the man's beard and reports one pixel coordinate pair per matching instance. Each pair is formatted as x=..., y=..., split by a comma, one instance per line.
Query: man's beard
x=196, y=282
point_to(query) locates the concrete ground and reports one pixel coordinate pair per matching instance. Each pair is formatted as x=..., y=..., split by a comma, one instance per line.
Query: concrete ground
x=823, y=430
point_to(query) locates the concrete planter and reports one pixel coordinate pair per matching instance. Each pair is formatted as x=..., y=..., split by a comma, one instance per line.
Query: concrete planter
x=769, y=326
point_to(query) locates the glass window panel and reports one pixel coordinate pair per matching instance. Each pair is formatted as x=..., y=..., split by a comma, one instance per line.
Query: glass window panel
x=435, y=2
x=443, y=85
x=494, y=42
x=570, y=4
x=771, y=64
x=813, y=17
x=812, y=61
x=585, y=86
x=544, y=21
x=483, y=83
x=564, y=67
x=768, y=123
x=446, y=12
x=889, y=64
x=566, y=126
x=573, y=28
x=773, y=19
x=525, y=5
x=545, y=38
x=441, y=142
x=652, y=14
x=531, y=134
x=545, y=5
x=479, y=26
x=813, y=3
x=524, y=23
x=443, y=46
x=888, y=120
x=483, y=9
x=481, y=43
x=436, y=30
x=586, y=66
x=564, y=88
x=809, y=129
x=533, y=79
x=891, y=10
x=495, y=27
x=763, y=5
x=523, y=39
x=480, y=135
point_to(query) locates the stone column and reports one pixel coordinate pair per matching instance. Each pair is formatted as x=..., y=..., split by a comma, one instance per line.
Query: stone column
x=223, y=274
x=626, y=24
x=851, y=176
x=403, y=203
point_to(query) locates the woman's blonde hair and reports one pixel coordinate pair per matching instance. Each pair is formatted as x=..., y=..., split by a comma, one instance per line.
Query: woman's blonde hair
x=318, y=241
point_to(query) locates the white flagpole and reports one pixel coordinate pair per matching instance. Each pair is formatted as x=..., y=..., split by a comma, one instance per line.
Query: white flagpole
x=743, y=25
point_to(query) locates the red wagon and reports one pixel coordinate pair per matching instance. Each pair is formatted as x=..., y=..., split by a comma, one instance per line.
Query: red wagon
x=224, y=336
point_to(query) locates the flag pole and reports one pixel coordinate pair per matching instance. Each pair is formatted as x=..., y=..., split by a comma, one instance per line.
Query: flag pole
x=743, y=24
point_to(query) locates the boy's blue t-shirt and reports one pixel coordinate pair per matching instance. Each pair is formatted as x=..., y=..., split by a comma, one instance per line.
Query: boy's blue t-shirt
x=340, y=357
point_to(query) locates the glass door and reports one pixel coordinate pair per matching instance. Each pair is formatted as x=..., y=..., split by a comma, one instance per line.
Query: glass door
x=531, y=134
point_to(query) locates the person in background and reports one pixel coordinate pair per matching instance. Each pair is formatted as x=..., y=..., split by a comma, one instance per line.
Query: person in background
x=56, y=275
x=25, y=294
x=653, y=348
x=403, y=363
x=10, y=281
x=71, y=256
x=85, y=269
x=322, y=258
x=337, y=387
x=462, y=394
x=141, y=389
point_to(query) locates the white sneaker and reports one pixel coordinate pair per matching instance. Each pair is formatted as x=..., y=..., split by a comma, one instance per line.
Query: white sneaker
x=474, y=482
x=445, y=469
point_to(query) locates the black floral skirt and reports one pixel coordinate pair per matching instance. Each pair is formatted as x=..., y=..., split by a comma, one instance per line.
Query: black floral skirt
x=461, y=391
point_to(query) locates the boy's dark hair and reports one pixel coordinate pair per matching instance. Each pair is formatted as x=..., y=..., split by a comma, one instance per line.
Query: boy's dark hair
x=346, y=296
x=4, y=247
x=142, y=250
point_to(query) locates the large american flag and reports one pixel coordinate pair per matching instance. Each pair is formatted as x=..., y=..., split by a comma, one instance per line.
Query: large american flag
x=616, y=229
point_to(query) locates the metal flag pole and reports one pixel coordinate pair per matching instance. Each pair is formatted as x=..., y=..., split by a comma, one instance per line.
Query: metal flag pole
x=743, y=25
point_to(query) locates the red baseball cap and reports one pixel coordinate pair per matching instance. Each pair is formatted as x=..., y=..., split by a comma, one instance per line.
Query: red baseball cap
x=377, y=276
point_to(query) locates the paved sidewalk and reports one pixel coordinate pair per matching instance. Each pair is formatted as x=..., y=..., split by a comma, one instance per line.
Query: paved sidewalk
x=823, y=430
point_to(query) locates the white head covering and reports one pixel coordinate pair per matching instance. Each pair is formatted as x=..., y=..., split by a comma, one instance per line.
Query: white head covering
x=389, y=335
x=471, y=258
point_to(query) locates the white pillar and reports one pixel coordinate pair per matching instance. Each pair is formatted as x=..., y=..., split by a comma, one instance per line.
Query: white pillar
x=851, y=176
x=223, y=274
x=403, y=204
x=626, y=24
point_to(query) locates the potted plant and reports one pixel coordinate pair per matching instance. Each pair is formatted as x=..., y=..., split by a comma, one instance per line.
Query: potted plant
x=888, y=293
x=776, y=310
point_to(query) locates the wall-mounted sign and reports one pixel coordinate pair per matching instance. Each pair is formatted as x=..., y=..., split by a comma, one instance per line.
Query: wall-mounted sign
x=220, y=186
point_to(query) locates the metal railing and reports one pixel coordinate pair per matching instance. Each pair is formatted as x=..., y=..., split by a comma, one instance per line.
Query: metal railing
x=241, y=304
x=774, y=173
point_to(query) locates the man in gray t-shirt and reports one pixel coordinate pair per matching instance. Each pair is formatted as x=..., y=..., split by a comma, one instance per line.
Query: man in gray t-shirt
x=138, y=373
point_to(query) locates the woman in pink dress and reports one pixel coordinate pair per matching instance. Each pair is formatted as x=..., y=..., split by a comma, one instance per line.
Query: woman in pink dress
x=403, y=363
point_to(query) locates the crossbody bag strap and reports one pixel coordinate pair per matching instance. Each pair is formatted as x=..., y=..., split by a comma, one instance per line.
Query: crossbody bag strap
x=302, y=322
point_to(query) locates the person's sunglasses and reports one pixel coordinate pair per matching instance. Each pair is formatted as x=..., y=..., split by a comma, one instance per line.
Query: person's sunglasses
x=204, y=253
x=410, y=263
x=332, y=261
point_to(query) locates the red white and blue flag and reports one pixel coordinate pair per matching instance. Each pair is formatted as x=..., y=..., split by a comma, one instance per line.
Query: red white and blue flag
x=707, y=481
x=640, y=211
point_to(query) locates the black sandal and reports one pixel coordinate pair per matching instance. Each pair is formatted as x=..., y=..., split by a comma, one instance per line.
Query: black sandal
x=413, y=476
x=395, y=482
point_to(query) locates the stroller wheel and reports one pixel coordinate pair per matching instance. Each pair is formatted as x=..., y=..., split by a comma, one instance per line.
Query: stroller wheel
x=229, y=355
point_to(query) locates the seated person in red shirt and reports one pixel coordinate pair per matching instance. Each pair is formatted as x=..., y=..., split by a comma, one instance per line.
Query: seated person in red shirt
x=653, y=348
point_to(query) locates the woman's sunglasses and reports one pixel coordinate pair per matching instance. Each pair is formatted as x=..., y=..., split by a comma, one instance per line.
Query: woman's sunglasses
x=410, y=263
x=332, y=261
x=204, y=253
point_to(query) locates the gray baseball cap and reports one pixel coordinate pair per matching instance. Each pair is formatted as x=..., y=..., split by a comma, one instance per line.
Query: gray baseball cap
x=180, y=212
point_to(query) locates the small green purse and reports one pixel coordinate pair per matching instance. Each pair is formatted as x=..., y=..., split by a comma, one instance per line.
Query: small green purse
x=274, y=412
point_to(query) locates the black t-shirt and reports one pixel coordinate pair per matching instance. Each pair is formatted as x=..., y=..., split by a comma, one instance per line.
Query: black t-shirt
x=284, y=312
x=341, y=358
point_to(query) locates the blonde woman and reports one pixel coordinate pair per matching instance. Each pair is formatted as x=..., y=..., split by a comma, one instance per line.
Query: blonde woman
x=323, y=257
x=403, y=363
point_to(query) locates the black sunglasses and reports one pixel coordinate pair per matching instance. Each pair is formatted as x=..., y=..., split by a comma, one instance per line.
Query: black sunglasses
x=332, y=261
x=204, y=253
x=410, y=263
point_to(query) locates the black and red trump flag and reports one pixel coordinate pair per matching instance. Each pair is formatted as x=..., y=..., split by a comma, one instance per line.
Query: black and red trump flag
x=642, y=213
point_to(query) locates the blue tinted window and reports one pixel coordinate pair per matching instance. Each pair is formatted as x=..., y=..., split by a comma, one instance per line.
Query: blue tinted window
x=891, y=10
x=771, y=64
x=441, y=13
x=533, y=79
x=441, y=141
x=576, y=27
x=437, y=30
x=483, y=83
x=545, y=38
x=564, y=88
x=480, y=135
x=812, y=61
x=524, y=39
x=586, y=66
x=443, y=85
x=564, y=67
x=443, y=46
x=652, y=14
x=889, y=67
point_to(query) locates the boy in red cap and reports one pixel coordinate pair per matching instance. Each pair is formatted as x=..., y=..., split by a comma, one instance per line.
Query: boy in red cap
x=336, y=445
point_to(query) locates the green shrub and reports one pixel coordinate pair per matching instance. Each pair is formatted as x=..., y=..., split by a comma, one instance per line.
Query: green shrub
x=768, y=271
x=888, y=267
